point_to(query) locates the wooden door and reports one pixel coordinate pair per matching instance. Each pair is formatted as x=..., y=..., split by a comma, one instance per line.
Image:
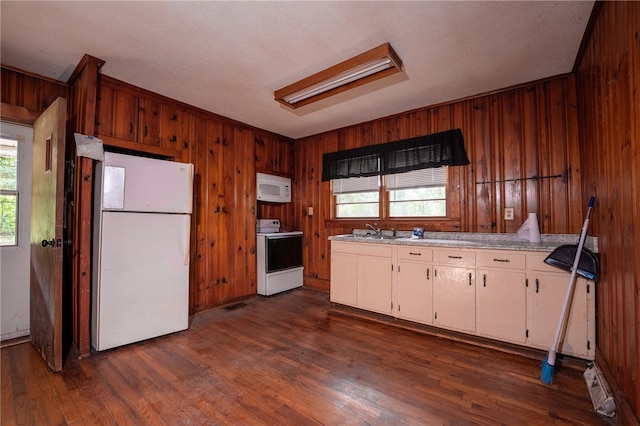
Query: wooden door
x=149, y=122
x=46, y=233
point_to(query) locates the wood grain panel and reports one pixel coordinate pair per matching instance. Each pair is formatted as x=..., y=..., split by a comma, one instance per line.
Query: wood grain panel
x=30, y=91
x=608, y=83
x=79, y=186
x=512, y=138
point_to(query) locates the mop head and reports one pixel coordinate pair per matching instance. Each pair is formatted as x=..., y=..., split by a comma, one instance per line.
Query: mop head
x=546, y=375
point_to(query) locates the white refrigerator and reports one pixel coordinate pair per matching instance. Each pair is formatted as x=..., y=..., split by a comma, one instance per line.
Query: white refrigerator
x=140, y=281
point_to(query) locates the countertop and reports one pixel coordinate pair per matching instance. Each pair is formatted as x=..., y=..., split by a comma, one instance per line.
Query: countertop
x=471, y=240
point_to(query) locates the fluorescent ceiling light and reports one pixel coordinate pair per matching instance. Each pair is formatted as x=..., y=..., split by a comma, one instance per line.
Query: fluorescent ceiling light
x=364, y=68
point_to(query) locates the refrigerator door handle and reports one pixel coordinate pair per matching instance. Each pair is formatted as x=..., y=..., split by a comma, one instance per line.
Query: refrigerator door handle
x=187, y=245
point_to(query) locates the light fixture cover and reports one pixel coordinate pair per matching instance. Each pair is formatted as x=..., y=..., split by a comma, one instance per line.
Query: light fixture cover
x=366, y=67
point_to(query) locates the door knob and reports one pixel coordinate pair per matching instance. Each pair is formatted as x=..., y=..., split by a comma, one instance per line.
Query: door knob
x=52, y=243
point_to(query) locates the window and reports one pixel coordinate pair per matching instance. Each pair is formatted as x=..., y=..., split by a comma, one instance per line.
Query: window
x=357, y=197
x=418, y=193
x=8, y=191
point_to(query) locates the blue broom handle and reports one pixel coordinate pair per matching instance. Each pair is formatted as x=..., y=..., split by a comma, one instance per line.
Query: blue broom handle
x=572, y=279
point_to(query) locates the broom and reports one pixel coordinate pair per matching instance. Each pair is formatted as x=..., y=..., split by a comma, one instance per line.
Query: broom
x=546, y=375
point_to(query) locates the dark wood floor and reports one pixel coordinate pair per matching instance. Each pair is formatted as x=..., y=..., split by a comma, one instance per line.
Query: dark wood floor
x=289, y=359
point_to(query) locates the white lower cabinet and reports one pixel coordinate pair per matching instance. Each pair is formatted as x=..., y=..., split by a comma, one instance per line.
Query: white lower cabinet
x=362, y=275
x=501, y=296
x=454, y=291
x=506, y=295
x=415, y=284
x=546, y=292
x=344, y=277
x=375, y=283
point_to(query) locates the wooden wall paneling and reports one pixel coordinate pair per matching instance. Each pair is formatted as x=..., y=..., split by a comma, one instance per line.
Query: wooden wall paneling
x=30, y=91
x=104, y=110
x=608, y=80
x=557, y=158
x=508, y=135
x=497, y=160
x=575, y=216
x=82, y=117
x=511, y=147
x=203, y=156
x=223, y=257
x=242, y=211
x=276, y=156
x=530, y=159
x=455, y=203
x=483, y=148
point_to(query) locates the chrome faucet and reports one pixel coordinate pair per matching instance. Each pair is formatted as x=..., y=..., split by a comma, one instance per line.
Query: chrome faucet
x=378, y=231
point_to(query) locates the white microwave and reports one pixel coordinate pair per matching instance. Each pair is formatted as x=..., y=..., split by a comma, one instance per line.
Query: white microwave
x=274, y=189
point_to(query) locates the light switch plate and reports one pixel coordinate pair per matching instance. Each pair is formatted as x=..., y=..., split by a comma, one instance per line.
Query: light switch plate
x=310, y=211
x=508, y=213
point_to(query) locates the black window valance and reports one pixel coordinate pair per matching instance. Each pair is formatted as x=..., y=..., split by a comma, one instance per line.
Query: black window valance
x=422, y=152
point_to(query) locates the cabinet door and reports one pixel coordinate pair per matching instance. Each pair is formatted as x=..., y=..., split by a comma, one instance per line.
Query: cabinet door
x=374, y=284
x=149, y=132
x=545, y=297
x=344, y=279
x=176, y=127
x=104, y=112
x=415, y=298
x=454, y=301
x=501, y=305
x=125, y=115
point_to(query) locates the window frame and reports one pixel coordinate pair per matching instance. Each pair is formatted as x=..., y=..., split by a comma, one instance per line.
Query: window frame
x=18, y=188
x=384, y=206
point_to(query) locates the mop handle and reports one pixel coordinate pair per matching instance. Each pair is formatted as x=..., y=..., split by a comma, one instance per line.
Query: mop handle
x=572, y=279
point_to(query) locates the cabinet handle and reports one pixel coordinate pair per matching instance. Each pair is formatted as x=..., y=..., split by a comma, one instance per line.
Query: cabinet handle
x=130, y=127
x=454, y=257
x=469, y=278
x=427, y=273
x=174, y=117
x=501, y=260
x=415, y=254
x=174, y=138
x=537, y=285
x=484, y=280
x=146, y=130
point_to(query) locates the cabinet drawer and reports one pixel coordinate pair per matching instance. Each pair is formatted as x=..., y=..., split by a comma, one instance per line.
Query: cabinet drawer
x=501, y=259
x=535, y=262
x=454, y=257
x=419, y=254
x=365, y=249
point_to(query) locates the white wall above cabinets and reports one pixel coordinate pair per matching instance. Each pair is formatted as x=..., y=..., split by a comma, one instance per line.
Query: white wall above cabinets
x=506, y=295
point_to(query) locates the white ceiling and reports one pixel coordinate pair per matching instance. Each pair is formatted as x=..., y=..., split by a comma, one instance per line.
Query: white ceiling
x=229, y=57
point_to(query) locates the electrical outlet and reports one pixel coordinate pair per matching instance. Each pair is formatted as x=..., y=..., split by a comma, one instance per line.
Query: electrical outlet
x=508, y=213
